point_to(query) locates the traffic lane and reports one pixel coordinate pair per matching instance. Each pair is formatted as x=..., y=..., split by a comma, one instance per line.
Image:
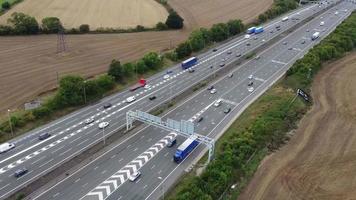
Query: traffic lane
x=108, y=164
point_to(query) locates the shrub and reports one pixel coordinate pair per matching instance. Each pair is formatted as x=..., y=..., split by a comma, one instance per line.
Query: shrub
x=23, y=24
x=219, y=32
x=140, y=28
x=115, y=70
x=6, y=30
x=41, y=112
x=51, y=25
x=161, y=26
x=6, y=5
x=183, y=50
x=84, y=28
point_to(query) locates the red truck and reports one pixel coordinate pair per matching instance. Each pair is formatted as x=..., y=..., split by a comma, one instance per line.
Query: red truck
x=141, y=83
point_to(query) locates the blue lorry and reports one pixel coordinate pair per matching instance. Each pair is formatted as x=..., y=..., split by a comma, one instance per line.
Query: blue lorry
x=259, y=30
x=184, y=149
x=189, y=62
x=251, y=30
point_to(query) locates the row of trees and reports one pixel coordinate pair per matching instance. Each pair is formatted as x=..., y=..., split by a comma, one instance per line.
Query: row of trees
x=203, y=37
x=280, y=7
x=269, y=129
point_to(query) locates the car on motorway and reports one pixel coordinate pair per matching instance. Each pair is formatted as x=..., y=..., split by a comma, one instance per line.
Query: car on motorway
x=172, y=142
x=238, y=55
x=290, y=48
x=134, y=176
x=191, y=70
x=215, y=50
x=169, y=71
x=285, y=43
x=255, y=38
x=257, y=57
x=6, y=147
x=250, y=77
x=166, y=76
x=278, y=26
x=44, y=136
x=210, y=87
x=248, y=44
x=107, y=105
x=322, y=23
x=103, y=125
x=307, y=30
x=89, y=120
x=218, y=103
x=250, y=83
x=20, y=172
x=213, y=91
x=230, y=75
x=303, y=42
x=247, y=36
x=229, y=52
x=152, y=98
x=227, y=110
x=221, y=64
x=250, y=89
x=271, y=31
x=263, y=40
x=130, y=99
x=200, y=119
x=147, y=86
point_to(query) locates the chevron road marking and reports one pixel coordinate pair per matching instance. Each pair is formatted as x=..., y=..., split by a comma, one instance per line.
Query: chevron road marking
x=107, y=187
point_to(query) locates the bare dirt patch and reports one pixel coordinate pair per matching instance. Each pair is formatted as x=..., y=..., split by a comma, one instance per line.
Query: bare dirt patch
x=96, y=13
x=320, y=160
x=28, y=64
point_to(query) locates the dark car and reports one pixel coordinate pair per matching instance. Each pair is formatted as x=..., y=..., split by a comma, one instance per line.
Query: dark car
x=107, y=105
x=44, y=136
x=229, y=52
x=152, y=98
x=290, y=48
x=200, y=119
x=278, y=26
x=303, y=42
x=248, y=44
x=172, y=143
x=222, y=64
x=285, y=43
x=250, y=83
x=238, y=55
x=227, y=110
x=20, y=172
x=191, y=70
x=215, y=49
x=210, y=87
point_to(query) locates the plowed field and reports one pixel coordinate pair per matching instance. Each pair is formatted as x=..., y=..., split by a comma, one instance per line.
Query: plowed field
x=28, y=64
x=320, y=160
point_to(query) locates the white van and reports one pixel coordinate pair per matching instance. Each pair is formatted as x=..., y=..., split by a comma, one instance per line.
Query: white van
x=285, y=19
x=6, y=146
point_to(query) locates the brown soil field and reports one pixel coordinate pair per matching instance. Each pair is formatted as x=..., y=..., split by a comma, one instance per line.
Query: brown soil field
x=319, y=162
x=28, y=64
x=96, y=13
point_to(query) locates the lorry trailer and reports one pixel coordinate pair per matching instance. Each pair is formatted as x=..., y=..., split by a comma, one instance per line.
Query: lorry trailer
x=251, y=30
x=259, y=30
x=142, y=82
x=185, y=148
x=189, y=62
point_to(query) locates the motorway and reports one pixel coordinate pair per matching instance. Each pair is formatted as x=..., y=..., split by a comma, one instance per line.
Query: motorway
x=106, y=176
x=71, y=136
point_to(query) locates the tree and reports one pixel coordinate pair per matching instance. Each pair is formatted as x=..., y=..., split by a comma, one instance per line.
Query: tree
x=174, y=21
x=115, y=70
x=141, y=67
x=140, y=28
x=219, y=32
x=51, y=25
x=183, y=50
x=6, y=30
x=105, y=82
x=196, y=40
x=235, y=26
x=70, y=90
x=84, y=28
x=6, y=5
x=152, y=60
x=23, y=24
x=128, y=69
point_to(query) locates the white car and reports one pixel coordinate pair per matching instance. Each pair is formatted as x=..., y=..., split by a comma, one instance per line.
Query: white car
x=250, y=77
x=147, y=86
x=130, y=99
x=322, y=23
x=218, y=103
x=89, y=121
x=250, y=89
x=134, y=176
x=103, y=125
x=213, y=91
x=247, y=36
x=166, y=76
x=6, y=147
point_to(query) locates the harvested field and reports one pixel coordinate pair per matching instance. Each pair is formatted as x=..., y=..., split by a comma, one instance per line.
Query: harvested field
x=96, y=13
x=28, y=64
x=319, y=162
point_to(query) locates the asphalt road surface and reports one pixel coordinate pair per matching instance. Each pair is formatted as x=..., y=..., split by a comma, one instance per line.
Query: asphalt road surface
x=71, y=136
x=106, y=176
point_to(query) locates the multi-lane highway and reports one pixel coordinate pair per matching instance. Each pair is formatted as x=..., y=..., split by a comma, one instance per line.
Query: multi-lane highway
x=71, y=136
x=106, y=176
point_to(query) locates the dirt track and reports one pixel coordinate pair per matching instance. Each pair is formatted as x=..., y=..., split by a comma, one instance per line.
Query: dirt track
x=320, y=160
x=28, y=64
